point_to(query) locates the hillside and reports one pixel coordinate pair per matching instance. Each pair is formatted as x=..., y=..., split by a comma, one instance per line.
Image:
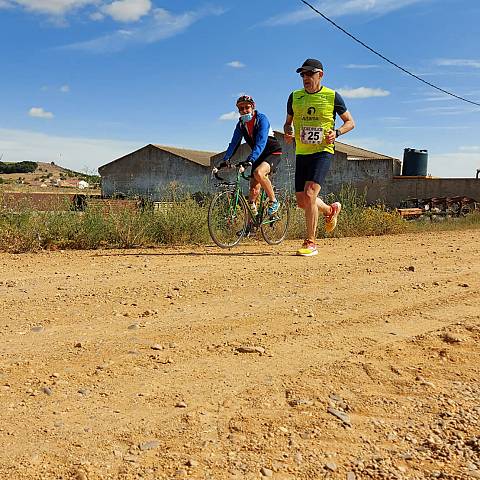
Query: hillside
x=47, y=175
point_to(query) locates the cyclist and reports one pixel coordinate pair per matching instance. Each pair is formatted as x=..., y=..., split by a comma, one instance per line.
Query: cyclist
x=254, y=127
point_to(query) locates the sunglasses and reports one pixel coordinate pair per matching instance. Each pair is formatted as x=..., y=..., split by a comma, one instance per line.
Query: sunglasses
x=307, y=73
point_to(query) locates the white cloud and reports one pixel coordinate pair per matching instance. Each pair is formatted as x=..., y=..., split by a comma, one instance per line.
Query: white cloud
x=229, y=116
x=236, y=64
x=458, y=109
x=160, y=25
x=361, y=66
x=458, y=62
x=52, y=7
x=97, y=16
x=75, y=152
x=65, y=88
x=333, y=8
x=394, y=119
x=127, y=10
x=39, y=112
x=363, y=92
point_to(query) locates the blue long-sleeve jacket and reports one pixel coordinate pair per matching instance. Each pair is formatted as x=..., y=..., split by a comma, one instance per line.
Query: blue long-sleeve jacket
x=262, y=144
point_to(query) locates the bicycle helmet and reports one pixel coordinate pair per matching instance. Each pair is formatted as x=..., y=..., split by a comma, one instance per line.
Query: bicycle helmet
x=246, y=98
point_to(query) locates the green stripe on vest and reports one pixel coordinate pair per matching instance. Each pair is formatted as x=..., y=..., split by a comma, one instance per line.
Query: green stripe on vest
x=313, y=110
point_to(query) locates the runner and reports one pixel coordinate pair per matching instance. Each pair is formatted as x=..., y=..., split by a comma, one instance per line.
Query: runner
x=312, y=111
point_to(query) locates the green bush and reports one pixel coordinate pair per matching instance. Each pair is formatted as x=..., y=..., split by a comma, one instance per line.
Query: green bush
x=18, y=167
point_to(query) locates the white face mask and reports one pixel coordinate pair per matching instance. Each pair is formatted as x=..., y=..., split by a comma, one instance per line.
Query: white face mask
x=246, y=118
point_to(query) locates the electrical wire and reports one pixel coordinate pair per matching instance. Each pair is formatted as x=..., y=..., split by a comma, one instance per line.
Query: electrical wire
x=386, y=59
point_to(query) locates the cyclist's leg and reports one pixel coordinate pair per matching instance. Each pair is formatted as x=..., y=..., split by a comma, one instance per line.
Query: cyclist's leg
x=254, y=190
x=260, y=175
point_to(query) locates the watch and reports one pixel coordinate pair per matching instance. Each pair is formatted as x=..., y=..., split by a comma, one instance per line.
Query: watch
x=337, y=132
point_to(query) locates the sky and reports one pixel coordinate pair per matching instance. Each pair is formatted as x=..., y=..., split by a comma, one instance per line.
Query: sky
x=84, y=82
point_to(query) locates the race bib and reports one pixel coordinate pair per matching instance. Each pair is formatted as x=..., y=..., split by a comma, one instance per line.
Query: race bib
x=311, y=135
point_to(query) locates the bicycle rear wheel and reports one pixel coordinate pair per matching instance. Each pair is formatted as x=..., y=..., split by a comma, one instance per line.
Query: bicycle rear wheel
x=274, y=228
x=227, y=219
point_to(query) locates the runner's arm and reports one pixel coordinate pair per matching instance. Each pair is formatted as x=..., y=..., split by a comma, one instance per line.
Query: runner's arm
x=287, y=126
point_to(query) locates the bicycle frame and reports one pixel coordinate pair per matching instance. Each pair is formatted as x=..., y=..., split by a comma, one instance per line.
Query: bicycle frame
x=230, y=216
x=257, y=219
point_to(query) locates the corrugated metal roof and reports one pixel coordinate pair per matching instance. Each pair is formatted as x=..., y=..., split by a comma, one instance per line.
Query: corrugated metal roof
x=357, y=153
x=197, y=156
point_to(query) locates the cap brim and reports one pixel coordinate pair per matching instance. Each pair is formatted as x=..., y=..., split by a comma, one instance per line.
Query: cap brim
x=308, y=69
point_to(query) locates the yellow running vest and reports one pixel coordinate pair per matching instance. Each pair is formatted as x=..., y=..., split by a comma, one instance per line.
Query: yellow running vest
x=312, y=118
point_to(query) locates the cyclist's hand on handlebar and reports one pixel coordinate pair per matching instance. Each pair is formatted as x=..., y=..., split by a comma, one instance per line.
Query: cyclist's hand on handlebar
x=247, y=163
x=224, y=164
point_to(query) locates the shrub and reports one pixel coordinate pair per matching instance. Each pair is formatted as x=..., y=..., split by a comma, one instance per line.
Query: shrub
x=184, y=221
x=18, y=167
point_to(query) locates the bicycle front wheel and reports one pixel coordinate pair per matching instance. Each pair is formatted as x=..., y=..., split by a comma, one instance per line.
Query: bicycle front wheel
x=274, y=227
x=227, y=219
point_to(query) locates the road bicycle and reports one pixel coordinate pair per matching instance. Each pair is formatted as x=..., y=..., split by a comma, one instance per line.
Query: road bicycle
x=230, y=217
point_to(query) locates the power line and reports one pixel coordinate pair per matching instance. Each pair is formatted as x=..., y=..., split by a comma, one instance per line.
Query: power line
x=386, y=59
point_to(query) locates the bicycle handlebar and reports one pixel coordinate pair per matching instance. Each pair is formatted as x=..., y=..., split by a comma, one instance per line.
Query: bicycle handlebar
x=241, y=166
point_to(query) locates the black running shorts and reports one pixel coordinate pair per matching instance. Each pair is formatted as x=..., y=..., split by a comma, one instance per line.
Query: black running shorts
x=311, y=168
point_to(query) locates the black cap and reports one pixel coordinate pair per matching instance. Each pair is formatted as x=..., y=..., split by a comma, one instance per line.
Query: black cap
x=312, y=65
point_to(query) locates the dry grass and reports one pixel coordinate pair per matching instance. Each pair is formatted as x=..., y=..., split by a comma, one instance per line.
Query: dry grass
x=185, y=222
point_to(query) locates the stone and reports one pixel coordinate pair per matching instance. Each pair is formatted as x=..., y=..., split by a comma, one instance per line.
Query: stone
x=266, y=472
x=191, y=463
x=298, y=402
x=181, y=405
x=80, y=475
x=47, y=391
x=340, y=415
x=351, y=476
x=450, y=338
x=157, y=346
x=247, y=349
x=332, y=466
x=130, y=458
x=151, y=444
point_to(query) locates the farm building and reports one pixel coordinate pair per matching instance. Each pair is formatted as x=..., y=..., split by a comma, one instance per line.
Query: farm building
x=154, y=169
x=150, y=171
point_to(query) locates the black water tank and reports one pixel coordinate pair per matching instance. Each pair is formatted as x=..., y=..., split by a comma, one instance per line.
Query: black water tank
x=415, y=162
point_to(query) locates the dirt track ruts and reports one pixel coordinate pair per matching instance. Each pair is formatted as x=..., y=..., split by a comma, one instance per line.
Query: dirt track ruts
x=383, y=329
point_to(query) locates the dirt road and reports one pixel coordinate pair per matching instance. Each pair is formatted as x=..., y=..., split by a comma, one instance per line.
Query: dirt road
x=200, y=363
